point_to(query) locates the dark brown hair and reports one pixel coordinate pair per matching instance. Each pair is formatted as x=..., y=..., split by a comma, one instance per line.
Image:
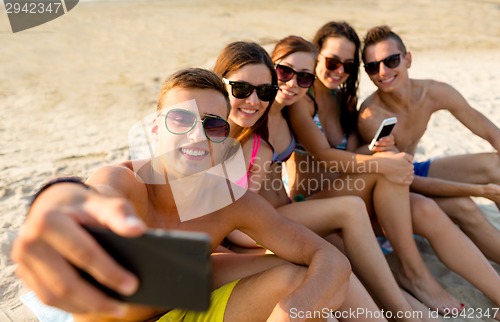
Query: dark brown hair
x=235, y=56
x=198, y=78
x=381, y=33
x=349, y=89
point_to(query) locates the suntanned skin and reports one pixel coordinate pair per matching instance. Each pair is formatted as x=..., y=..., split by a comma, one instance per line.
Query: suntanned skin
x=52, y=233
x=451, y=180
x=346, y=215
x=385, y=188
x=413, y=102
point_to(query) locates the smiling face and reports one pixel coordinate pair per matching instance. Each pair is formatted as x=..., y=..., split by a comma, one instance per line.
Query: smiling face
x=245, y=112
x=191, y=152
x=289, y=91
x=340, y=47
x=387, y=78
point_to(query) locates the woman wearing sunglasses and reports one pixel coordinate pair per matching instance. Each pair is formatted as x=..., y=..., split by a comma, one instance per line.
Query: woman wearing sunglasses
x=324, y=123
x=295, y=61
x=250, y=77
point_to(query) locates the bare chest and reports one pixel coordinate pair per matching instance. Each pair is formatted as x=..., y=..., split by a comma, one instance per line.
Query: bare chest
x=409, y=130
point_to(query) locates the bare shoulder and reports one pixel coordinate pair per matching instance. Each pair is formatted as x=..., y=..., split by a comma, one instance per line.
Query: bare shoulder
x=116, y=180
x=372, y=110
x=305, y=104
x=440, y=95
x=432, y=88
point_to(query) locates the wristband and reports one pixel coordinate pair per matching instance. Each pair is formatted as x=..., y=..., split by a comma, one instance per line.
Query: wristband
x=75, y=180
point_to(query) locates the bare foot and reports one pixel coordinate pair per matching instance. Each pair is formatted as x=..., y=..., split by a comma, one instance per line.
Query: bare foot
x=426, y=289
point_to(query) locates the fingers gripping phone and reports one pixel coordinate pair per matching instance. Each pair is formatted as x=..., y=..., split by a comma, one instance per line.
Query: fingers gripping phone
x=173, y=267
x=384, y=129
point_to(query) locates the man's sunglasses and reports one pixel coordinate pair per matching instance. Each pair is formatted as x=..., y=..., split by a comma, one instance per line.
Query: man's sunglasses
x=304, y=79
x=333, y=63
x=265, y=92
x=179, y=121
x=392, y=62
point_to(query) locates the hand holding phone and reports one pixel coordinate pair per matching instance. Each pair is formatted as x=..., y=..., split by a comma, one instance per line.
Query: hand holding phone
x=173, y=267
x=384, y=129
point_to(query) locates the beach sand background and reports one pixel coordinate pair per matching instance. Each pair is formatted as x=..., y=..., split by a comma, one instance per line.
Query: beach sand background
x=71, y=89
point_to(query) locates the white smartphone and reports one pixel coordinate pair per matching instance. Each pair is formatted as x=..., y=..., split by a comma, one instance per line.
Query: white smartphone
x=384, y=129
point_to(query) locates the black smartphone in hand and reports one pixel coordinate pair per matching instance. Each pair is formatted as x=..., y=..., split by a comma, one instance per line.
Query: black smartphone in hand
x=173, y=267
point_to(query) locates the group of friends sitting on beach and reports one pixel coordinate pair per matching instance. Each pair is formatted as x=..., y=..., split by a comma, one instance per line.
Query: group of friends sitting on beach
x=294, y=114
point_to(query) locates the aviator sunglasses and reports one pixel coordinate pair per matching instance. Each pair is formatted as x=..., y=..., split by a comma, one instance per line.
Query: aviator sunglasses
x=285, y=73
x=265, y=92
x=391, y=61
x=333, y=63
x=179, y=121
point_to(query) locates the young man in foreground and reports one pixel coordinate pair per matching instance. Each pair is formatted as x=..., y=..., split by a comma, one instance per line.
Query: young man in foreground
x=190, y=130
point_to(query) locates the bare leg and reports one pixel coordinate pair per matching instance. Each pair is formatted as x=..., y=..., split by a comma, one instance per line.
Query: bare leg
x=453, y=248
x=391, y=203
x=397, y=224
x=254, y=298
x=348, y=213
x=465, y=213
x=481, y=168
x=359, y=299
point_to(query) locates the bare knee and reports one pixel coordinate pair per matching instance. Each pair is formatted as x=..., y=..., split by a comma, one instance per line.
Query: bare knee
x=494, y=169
x=353, y=211
x=465, y=212
x=427, y=217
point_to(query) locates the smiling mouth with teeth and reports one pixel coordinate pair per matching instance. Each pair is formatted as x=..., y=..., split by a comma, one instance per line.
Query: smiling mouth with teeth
x=247, y=111
x=288, y=92
x=193, y=152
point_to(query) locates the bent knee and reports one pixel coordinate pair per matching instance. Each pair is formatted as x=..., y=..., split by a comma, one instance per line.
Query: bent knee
x=465, y=212
x=427, y=215
x=493, y=168
x=354, y=210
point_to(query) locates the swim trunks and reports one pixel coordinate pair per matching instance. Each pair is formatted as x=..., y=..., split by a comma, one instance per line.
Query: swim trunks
x=421, y=168
x=219, y=299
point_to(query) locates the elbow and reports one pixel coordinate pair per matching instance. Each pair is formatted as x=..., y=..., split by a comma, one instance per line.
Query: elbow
x=340, y=279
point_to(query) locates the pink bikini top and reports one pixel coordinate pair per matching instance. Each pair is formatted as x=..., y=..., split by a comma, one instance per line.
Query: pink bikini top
x=243, y=181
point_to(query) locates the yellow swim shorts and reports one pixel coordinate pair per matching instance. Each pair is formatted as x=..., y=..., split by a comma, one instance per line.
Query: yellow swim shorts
x=215, y=312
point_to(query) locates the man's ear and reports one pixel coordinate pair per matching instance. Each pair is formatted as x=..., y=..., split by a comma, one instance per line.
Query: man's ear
x=408, y=60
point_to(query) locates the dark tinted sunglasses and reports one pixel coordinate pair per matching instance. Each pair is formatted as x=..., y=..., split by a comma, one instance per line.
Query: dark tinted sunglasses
x=392, y=62
x=265, y=92
x=179, y=121
x=333, y=63
x=304, y=79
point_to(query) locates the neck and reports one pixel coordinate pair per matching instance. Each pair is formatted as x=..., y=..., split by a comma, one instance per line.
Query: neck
x=399, y=98
x=235, y=129
x=276, y=108
x=319, y=89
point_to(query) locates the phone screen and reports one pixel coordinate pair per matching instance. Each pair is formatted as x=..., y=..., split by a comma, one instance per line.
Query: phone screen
x=386, y=130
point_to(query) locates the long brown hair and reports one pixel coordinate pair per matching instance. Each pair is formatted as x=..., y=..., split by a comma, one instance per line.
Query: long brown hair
x=349, y=89
x=233, y=57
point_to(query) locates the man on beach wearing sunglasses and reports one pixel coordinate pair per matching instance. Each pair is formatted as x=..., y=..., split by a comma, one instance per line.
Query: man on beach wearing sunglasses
x=191, y=134
x=449, y=180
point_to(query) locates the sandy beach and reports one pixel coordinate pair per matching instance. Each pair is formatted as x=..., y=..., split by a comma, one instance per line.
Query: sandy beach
x=70, y=89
